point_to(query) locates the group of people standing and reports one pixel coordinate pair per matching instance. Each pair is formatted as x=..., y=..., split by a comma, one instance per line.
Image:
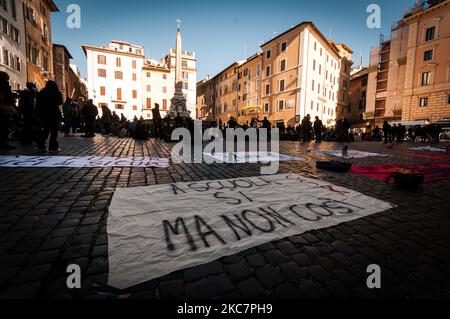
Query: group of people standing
x=418, y=133
x=393, y=133
x=39, y=113
x=36, y=115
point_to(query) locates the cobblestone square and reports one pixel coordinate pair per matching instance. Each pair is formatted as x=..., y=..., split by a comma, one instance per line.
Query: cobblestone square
x=53, y=217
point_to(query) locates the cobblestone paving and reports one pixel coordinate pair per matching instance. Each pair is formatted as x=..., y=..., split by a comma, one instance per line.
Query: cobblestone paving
x=50, y=218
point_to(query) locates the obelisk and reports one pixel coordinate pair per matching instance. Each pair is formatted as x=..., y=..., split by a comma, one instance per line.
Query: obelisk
x=179, y=100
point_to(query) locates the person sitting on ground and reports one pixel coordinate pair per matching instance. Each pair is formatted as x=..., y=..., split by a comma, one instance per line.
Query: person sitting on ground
x=115, y=117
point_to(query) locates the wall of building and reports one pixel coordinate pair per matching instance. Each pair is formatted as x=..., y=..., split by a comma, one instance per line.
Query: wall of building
x=357, y=98
x=206, y=94
x=227, y=94
x=396, y=75
x=39, y=41
x=144, y=83
x=75, y=85
x=395, y=90
x=249, y=87
x=438, y=90
x=61, y=65
x=281, y=103
x=157, y=87
x=104, y=90
x=12, y=43
x=312, y=85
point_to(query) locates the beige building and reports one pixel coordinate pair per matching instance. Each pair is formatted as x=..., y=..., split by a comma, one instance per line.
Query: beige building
x=206, y=94
x=61, y=65
x=427, y=80
x=297, y=73
x=302, y=75
x=249, y=89
x=38, y=32
x=227, y=94
x=409, y=74
x=356, y=108
x=157, y=88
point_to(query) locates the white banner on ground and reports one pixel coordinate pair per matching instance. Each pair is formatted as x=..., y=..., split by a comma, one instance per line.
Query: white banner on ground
x=250, y=157
x=156, y=230
x=429, y=149
x=80, y=161
x=350, y=153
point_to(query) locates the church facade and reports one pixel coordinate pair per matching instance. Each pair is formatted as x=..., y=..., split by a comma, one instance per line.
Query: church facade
x=122, y=78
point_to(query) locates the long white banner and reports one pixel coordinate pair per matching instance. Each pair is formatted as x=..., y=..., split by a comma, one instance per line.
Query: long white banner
x=350, y=153
x=251, y=157
x=156, y=230
x=82, y=161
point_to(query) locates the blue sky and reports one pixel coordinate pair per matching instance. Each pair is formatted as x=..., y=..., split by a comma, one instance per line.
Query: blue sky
x=220, y=32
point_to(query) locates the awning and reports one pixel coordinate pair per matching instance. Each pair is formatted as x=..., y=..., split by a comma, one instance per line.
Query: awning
x=251, y=107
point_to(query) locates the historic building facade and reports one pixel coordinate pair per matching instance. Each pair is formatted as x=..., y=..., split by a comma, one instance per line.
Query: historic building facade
x=426, y=93
x=409, y=74
x=297, y=73
x=12, y=42
x=249, y=89
x=39, y=51
x=114, y=77
x=227, y=94
x=123, y=79
x=61, y=65
x=206, y=95
x=356, y=108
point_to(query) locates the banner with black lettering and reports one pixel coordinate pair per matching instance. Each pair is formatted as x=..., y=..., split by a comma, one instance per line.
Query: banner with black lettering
x=156, y=230
x=82, y=161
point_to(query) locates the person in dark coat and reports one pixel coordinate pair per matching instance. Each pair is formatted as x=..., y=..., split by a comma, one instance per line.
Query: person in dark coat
x=386, y=131
x=157, y=122
x=48, y=102
x=7, y=111
x=90, y=113
x=306, y=128
x=27, y=106
x=318, y=129
x=266, y=125
x=68, y=117
x=393, y=133
x=106, y=120
x=346, y=125
x=401, y=132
